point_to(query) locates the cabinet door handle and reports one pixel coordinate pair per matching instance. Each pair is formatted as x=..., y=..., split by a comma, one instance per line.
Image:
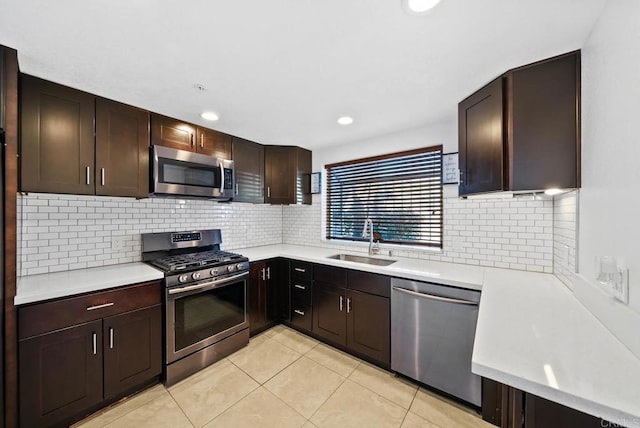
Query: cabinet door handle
x=299, y=312
x=192, y=140
x=95, y=343
x=237, y=189
x=102, y=176
x=348, y=305
x=268, y=272
x=88, y=169
x=301, y=287
x=300, y=270
x=110, y=337
x=104, y=305
x=461, y=178
x=201, y=140
x=263, y=274
x=341, y=303
x=268, y=191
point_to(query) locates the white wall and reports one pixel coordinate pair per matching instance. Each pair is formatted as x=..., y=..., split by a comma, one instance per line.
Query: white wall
x=609, y=206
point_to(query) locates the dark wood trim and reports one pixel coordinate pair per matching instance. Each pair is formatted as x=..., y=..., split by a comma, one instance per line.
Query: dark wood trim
x=386, y=156
x=10, y=192
x=507, y=129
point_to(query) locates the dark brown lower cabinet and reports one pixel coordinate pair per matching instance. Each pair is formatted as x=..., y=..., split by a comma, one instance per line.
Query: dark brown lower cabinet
x=131, y=343
x=113, y=347
x=508, y=407
x=541, y=413
x=368, y=325
x=60, y=374
x=267, y=293
x=329, y=320
x=355, y=320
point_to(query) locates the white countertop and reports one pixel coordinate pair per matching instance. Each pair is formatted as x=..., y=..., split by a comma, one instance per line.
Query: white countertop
x=46, y=286
x=533, y=334
x=457, y=275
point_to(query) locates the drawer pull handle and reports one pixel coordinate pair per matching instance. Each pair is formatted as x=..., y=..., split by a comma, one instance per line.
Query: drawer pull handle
x=299, y=312
x=95, y=343
x=300, y=270
x=104, y=305
x=301, y=287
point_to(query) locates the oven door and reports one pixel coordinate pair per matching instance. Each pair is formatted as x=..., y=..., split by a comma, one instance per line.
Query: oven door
x=178, y=172
x=201, y=314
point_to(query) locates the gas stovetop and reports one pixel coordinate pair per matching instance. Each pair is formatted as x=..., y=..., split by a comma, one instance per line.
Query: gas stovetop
x=196, y=260
x=191, y=256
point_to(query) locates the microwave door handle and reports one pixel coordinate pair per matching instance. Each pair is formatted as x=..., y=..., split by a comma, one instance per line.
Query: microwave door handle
x=221, y=178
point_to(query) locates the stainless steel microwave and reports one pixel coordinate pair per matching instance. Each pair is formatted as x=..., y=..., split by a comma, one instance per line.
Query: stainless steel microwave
x=182, y=173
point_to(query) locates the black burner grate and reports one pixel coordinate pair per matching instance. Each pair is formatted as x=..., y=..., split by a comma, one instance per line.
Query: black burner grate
x=195, y=260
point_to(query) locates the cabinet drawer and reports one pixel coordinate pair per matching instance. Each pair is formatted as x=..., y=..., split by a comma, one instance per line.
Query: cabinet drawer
x=369, y=283
x=45, y=317
x=331, y=275
x=301, y=315
x=301, y=292
x=301, y=269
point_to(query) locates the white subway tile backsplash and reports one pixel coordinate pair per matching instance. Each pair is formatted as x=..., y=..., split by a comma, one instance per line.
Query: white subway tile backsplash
x=65, y=232
x=494, y=233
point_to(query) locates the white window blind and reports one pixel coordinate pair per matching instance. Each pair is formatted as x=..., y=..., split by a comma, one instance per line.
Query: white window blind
x=400, y=192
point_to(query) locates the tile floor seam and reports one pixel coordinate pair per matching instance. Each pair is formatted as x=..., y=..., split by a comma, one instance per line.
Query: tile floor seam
x=344, y=379
x=193, y=425
x=238, y=402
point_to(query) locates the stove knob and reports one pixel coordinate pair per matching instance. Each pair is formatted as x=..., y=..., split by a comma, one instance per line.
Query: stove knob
x=239, y=266
x=195, y=275
x=230, y=268
x=214, y=272
x=183, y=278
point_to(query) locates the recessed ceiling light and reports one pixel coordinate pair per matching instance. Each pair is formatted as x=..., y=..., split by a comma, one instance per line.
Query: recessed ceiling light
x=419, y=6
x=345, y=120
x=209, y=115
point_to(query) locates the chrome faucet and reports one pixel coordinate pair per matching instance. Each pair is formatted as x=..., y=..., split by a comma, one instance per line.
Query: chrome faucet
x=372, y=249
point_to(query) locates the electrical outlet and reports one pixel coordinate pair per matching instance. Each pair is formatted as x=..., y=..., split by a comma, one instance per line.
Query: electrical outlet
x=620, y=285
x=117, y=244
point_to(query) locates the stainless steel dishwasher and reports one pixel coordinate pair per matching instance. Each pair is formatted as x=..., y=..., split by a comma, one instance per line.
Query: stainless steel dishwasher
x=432, y=332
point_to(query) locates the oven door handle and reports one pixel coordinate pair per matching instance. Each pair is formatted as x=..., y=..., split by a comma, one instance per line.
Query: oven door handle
x=210, y=284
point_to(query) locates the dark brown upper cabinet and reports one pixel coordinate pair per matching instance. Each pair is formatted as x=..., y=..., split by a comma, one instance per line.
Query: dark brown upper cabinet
x=57, y=146
x=521, y=132
x=249, y=165
x=61, y=154
x=214, y=143
x=177, y=134
x=287, y=175
x=122, y=150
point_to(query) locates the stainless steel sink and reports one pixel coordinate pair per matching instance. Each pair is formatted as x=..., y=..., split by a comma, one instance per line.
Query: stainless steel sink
x=362, y=259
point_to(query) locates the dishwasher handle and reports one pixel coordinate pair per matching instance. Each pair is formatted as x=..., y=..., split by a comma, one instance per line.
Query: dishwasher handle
x=432, y=297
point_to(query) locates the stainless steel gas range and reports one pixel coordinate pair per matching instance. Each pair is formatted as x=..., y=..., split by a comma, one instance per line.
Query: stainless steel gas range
x=205, y=299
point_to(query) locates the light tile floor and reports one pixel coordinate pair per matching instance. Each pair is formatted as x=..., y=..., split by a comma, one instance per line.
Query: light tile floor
x=286, y=379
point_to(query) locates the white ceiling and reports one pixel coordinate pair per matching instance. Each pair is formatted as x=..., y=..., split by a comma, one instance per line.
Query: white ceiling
x=283, y=71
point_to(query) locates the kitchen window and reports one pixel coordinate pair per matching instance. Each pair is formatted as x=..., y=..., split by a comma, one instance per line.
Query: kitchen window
x=401, y=193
